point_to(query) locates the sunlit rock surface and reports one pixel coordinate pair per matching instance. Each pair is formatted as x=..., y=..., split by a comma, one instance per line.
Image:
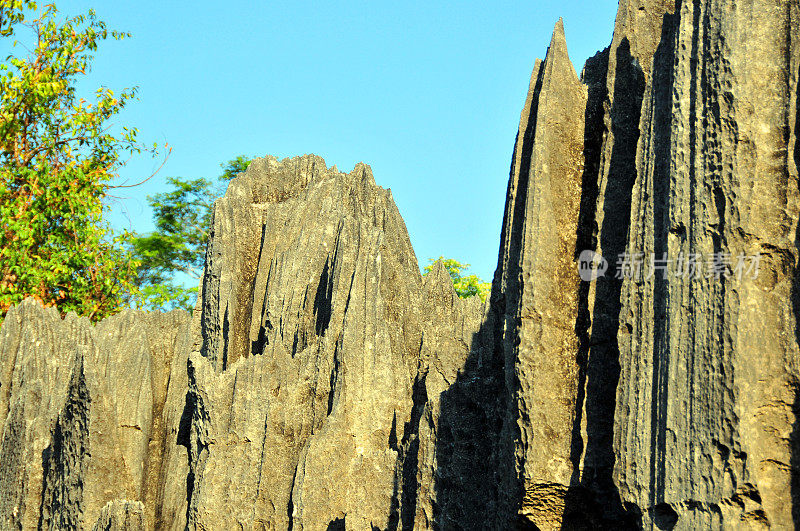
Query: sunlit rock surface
x=322, y=383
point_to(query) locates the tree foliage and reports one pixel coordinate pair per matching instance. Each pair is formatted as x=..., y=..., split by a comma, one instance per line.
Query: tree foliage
x=465, y=285
x=59, y=153
x=176, y=249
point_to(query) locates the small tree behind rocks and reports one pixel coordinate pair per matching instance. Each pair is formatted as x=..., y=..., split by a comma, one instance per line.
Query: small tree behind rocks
x=58, y=154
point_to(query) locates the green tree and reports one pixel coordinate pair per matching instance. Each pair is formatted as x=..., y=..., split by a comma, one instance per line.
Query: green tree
x=465, y=286
x=58, y=156
x=177, y=247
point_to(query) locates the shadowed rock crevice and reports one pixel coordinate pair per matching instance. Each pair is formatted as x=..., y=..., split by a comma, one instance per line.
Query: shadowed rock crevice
x=580, y=510
x=594, y=76
x=795, y=436
x=468, y=435
x=660, y=142
x=322, y=300
x=262, y=339
x=336, y=525
x=664, y=516
x=184, y=439
x=603, y=368
x=410, y=455
x=334, y=378
x=193, y=429
x=290, y=504
x=64, y=460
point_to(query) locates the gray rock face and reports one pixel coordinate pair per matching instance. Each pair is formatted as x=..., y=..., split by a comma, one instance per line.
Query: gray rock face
x=713, y=362
x=83, y=414
x=322, y=383
x=313, y=327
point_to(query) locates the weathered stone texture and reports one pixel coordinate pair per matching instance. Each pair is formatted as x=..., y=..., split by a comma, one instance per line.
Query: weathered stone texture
x=712, y=362
x=539, y=287
x=322, y=383
x=300, y=389
x=121, y=515
x=81, y=413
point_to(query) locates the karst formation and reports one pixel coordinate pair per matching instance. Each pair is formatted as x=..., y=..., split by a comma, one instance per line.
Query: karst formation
x=323, y=383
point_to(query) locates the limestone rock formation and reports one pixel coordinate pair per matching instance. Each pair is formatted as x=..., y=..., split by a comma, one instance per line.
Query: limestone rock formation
x=322, y=383
x=713, y=361
x=312, y=328
x=83, y=414
x=539, y=290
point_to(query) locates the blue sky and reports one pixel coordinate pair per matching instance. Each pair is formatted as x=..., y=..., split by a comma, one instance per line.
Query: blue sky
x=427, y=93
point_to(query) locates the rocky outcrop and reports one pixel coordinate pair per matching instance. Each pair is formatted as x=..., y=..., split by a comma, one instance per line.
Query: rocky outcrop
x=539, y=288
x=83, y=414
x=712, y=362
x=314, y=330
x=322, y=383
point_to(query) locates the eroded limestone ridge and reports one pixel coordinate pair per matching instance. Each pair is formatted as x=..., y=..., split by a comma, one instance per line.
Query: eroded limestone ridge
x=317, y=346
x=84, y=416
x=322, y=383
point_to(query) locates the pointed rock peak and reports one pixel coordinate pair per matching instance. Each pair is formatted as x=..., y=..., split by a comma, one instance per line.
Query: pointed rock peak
x=524, y=117
x=557, y=53
x=364, y=172
x=438, y=271
x=558, y=42
x=537, y=66
x=558, y=32
x=269, y=180
x=438, y=280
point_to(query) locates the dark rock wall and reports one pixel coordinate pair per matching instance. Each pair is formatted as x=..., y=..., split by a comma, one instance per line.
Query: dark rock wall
x=712, y=362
